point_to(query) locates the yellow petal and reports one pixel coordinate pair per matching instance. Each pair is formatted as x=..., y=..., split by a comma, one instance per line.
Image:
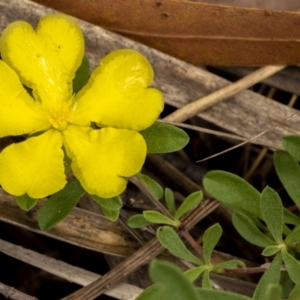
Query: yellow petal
x=117, y=94
x=34, y=166
x=45, y=60
x=102, y=158
x=19, y=113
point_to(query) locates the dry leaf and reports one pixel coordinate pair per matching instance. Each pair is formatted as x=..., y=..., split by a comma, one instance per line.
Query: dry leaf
x=196, y=32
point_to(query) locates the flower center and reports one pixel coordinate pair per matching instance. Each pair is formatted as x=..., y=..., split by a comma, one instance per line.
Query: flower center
x=59, y=117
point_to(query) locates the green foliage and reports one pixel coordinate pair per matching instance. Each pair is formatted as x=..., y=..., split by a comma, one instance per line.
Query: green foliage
x=171, y=241
x=208, y=294
x=170, y=201
x=137, y=221
x=168, y=278
x=154, y=187
x=270, y=250
x=271, y=276
x=163, y=138
x=210, y=240
x=25, y=202
x=206, y=283
x=232, y=190
x=156, y=217
x=109, y=206
x=249, y=231
x=193, y=273
x=288, y=171
x=272, y=212
x=59, y=205
x=230, y=264
x=189, y=203
x=293, y=237
x=295, y=293
x=292, y=266
x=291, y=144
x=81, y=76
x=274, y=292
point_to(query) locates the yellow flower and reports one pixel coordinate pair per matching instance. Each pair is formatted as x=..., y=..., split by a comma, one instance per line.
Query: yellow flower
x=116, y=98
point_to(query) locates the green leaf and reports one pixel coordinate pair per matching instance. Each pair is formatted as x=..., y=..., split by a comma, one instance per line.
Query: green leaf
x=137, y=221
x=81, y=76
x=295, y=293
x=113, y=215
x=25, y=202
x=219, y=295
x=59, y=205
x=290, y=218
x=292, y=266
x=271, y=250
x=163, y=138
x=288, y=171
x=232, y=190
x=172, y=281
x=210, y=240
x=193, y=273
x=291, y=143
x=156, y=217
x=274, y=292
x=171, y=241
x=170, y=201
x=206, y=283
x=231, y=264
x=189, y=203
x=154, y=187
x=153, y=292
x=114, y=203
x=272, y=211
x=271, y=276
x=293, y=237
x=248, y=230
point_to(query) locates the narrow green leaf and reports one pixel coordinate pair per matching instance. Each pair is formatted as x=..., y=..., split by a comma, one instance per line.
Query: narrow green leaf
x=292, y=266
x=274, y=292
x=59, y=205
x=172, y=281
x=206, y=283
x=170, y=201
x=171, y=241
x=156, y=217
x=113, y=215
x=81, y=76
x=295, y=293
x=290, y=218
x=189, y=203
x=286, y=283
x=25, y=202
x=272, y=211
x=288, y=171
x=219, y=295
x=291, y=143
x=194, y=273
x=248, y=230
x=163, y=138
x=271, y=250
x=153, y=292
x=293, y=237
x=114, y=203
x=232, y=190
x=271, y=276
x=210, y=239
x=154, y=187
x=231, y=264
x=137, y=221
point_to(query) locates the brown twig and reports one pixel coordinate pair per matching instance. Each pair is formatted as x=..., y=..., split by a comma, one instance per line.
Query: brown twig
x=11, y=293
